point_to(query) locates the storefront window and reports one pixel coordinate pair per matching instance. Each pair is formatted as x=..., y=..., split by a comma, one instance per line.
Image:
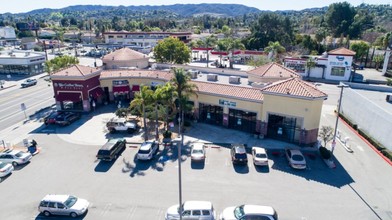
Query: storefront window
x=297, y=67
x=242, y=120
x=338, y=71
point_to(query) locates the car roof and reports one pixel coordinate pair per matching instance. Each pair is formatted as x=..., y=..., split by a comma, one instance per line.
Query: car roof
x=111, y=142
x=258, y=209
x=146, y=145
x=10, y=151
x=190, y=205
x=55, y=198
x=259, y=150
x=239, y=148
x=116, y=119
x=198, y=146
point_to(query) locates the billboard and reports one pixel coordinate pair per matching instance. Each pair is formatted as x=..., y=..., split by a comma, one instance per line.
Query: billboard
x=27, y=26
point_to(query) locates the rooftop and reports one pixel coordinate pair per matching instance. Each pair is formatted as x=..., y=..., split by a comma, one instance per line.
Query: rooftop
x=124, y=54
x=342, y=51
x=77, y=71
x=19, y=54
x=273, y=70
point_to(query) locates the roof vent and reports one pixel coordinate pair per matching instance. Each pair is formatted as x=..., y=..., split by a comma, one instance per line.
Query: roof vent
x=193, y=73
x=212, y=77
x=234, y=80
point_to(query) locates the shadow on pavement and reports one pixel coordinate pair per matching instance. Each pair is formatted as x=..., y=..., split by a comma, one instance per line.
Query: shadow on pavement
x=41, y=216
x=104, y=166
x=241, y=168
x=262, y=169
x=197, y=165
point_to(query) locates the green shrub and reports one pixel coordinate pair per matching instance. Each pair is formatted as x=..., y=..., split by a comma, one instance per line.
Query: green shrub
x=325, y=153
x=167, y=134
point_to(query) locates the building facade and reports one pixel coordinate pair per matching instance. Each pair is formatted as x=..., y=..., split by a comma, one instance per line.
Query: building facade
x=334, y=65
x=21, y=62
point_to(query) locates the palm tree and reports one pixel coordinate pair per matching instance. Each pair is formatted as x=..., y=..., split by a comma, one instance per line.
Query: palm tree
x=221, y=46
x=141, y=100
x=310, y=63
x=234, y=44
x=275, y=49
x=166, y=96
x=208, y=42
x=184, y=89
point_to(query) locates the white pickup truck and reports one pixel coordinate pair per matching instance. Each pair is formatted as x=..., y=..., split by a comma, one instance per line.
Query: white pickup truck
x=29, y=82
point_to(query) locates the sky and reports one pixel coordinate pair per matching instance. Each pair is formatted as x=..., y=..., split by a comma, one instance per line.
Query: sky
x=18, y=6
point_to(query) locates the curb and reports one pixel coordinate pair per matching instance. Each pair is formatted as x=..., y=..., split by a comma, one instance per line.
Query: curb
x=4, y=88
x=368, y=143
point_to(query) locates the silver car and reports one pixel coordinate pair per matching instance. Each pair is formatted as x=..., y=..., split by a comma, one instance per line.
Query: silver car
x=5, y=169
x=15, y=157
x=63, y=205
x=198, y=152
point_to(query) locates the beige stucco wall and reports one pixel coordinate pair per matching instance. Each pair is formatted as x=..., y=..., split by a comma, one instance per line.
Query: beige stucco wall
x=240, y=104
x=307, y=110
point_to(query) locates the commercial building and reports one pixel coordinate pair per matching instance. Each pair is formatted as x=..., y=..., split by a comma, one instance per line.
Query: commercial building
x=21, y=62
x=7, y=34
x=281, y=106
x=125, y=58
x=334, y=65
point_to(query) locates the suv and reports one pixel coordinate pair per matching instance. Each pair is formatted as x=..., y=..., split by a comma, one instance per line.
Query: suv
x=63, y=205
x=29, y=82
x=111, y=149
x=195, y=210
x=15, y=157
x=238, y=154
x=120, y=124
x=67, y=118
x=147, y=150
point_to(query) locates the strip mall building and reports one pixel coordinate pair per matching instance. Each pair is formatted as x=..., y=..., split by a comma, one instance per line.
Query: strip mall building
x=282, y=106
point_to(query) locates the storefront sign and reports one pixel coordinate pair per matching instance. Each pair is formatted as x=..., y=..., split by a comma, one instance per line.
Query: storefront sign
x=226, y=102
x=69, y=85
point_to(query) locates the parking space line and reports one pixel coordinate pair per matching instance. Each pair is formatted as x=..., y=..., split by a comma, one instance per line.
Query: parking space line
x=360, y=148
x=160, y=214
x=106, y=209
x=131, y=212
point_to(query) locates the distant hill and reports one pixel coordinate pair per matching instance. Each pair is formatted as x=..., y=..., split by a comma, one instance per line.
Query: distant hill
x=185, y=10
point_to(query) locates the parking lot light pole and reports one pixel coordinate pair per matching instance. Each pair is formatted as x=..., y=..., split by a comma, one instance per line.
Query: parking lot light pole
x=179, y=146
x=341, y=86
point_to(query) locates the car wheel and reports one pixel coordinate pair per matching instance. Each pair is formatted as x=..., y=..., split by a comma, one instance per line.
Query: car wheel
x=46, y=213
x=15, y=164
x=73, y=215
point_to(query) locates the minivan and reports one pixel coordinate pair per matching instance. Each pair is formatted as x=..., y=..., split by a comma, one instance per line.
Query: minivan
x=111, y=149
x=195, y=210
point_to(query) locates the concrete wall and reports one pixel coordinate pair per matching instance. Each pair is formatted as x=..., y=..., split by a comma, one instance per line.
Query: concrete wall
x=369, y=117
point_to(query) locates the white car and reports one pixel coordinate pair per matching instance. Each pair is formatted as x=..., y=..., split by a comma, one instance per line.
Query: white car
x=147, y=150
x=5, y=169
x=244, y=212
x=198, y=152
x=15, y=157
x=260, y=157
x=195, y=210
x=63, y=205
x=296, y=159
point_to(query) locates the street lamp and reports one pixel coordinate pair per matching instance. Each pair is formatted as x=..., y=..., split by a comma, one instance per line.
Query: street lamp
x=341, y=86
x=179, y=146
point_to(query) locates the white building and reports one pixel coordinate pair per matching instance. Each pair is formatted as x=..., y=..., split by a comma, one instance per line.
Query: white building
x=334, y=65
x=7, y=33
x=21, y=62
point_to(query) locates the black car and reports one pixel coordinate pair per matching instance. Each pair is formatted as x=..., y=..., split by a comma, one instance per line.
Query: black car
x=111, y=149
x=51, y=117
x=238, y=154
x=67, y=118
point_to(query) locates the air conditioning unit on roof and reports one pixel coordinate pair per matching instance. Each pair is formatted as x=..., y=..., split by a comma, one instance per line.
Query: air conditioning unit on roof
x=212, y=77
x=234, y=80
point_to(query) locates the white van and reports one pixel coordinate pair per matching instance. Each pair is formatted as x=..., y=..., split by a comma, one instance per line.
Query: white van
x=195, y=210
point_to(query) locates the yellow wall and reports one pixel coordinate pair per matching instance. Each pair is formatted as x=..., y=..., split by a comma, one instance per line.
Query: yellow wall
x=309, y=110
x=240, y=104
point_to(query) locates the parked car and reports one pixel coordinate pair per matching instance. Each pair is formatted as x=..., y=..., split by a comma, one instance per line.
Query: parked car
x=260, y=157
x=29, y=82
x=147, y=150
x=51, y=118
x=195, y=210
x=111, y=149
x=15, y=157
x=63, y=205
x=296, y=158
x=67, y=118
x=198, y=152
x=5, y=169
x=121, y=124
x=238, y=154
x=244, y=212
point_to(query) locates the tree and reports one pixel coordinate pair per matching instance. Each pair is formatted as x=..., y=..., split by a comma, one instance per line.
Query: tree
x=378, y=59
x=258, y=62
x=274, y=48
x=339, y=18
x=184, y=89
x=234, y=44
x=310, y=64
x=222, y=46
x=226, y=30
x=172, y=50
x=58, y=63
x=326, y=134
x=166, y=93
x=141, y=100
x=360, y=48
x=208, y=42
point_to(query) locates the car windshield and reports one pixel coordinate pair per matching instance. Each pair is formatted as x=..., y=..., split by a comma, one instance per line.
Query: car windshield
x=144, y=151
x=19, y=154
x=261, y=156
x=239, y=212
x=297, y=157
x=70, y=201
x=197, y=151
x=2, y=165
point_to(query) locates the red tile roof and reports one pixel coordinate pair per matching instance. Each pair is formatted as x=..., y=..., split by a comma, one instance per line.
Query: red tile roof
x=294, y=87
x=77, y=70
x=124, y=54
x=342, y=51
x=239, y=92
x=162, y=75
x=274, y=70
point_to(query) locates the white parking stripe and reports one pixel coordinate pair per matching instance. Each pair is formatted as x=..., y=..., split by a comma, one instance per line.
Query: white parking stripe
x=106, y=209
x=360, y=148
x=131, y=212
